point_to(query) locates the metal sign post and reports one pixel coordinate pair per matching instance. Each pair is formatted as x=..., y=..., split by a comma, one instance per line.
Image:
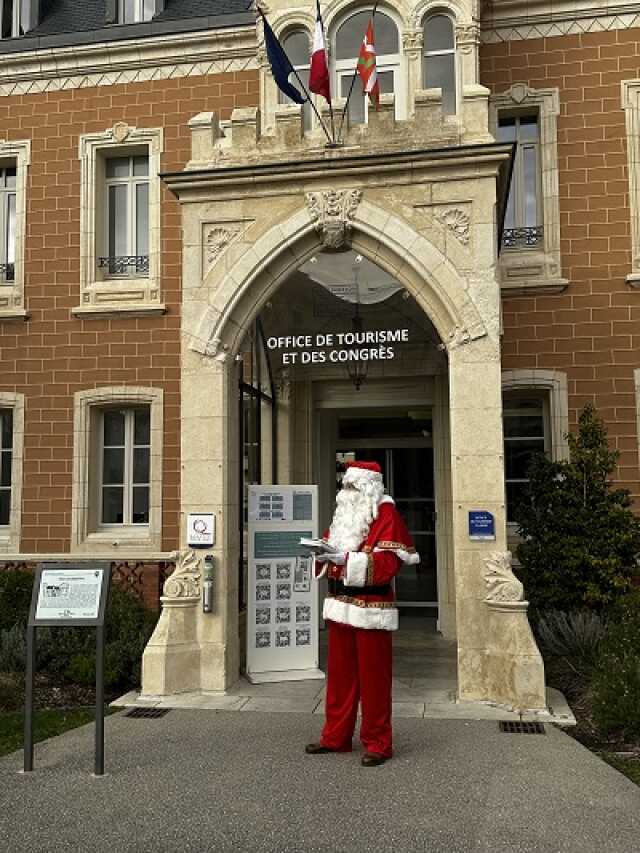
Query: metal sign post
x=67, y=595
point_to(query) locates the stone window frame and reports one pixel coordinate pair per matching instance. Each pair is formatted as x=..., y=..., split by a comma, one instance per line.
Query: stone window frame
x=552, y=385
x=86, y=535
x=10, y=534
x=631, y=106
x=340, y=16
x=431, y=12
x=100, y=295
x=636, y=382
x=12, y=296
x=535, y=269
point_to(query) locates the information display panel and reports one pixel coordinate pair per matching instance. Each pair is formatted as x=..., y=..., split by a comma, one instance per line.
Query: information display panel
x=282, y=623
x=69, y=595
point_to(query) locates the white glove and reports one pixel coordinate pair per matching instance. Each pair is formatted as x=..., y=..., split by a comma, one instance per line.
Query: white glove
x=339, y=559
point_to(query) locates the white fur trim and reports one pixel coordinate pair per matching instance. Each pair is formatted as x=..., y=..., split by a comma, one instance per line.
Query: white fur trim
x=353, y=476
x=373, y=618
x=356, y=571
x=386, y=499
x=407, y=557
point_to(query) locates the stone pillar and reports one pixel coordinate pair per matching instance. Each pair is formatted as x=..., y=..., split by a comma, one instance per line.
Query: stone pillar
x=498, y=660
x=412, y=48
x=191, y=650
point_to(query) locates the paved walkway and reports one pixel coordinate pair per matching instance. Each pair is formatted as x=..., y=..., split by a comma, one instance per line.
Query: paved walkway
x=424, y=686
x=217, y=781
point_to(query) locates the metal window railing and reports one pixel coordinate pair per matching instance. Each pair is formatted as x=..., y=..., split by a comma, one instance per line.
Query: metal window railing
x=125, y=265
x=7, y=273
x=522, y=238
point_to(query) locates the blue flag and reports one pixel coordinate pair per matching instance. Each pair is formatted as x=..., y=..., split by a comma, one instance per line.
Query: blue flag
x=280, y=63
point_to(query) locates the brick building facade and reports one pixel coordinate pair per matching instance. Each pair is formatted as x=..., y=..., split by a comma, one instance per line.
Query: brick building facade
x=99, y=290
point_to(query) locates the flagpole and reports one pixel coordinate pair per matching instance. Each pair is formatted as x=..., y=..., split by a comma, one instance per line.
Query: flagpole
x=333, y=127
x=353, y=80
x=304, y=88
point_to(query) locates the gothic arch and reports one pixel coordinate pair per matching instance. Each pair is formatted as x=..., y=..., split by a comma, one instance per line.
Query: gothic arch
x=382, y=237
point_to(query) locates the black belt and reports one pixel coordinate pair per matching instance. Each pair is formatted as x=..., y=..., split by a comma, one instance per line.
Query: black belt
x=337, y=587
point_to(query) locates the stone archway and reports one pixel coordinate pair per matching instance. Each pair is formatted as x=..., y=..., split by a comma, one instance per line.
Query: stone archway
x=238, y=250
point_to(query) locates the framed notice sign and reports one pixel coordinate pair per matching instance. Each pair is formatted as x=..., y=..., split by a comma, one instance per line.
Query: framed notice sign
x=282, y=623
x=65, y=594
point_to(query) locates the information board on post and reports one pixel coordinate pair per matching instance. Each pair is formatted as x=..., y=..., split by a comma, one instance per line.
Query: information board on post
x=67, y=595
x=282, y=612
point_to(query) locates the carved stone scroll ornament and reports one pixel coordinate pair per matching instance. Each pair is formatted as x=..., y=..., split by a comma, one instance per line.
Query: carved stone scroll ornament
x=503, y=587
x=333, y=212
x=184, y=584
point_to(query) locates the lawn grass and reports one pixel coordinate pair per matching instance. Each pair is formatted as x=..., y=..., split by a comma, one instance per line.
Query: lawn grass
x=630, y=767
x=46, y=724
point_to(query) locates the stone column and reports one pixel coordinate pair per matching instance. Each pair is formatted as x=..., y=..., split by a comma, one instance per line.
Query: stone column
x=191, y=650
x=505, y=668
x=412, y=41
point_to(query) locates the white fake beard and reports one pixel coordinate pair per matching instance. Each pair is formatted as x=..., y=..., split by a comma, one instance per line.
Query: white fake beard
x=352, y=518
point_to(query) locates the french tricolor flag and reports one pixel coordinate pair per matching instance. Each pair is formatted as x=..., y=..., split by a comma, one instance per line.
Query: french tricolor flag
x=319, y=72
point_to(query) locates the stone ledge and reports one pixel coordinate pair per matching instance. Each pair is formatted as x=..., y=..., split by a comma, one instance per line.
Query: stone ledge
x=130, y=309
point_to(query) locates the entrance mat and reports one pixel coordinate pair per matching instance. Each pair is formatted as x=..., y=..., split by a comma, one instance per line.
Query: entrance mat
x=518, y=727
x=147, y=713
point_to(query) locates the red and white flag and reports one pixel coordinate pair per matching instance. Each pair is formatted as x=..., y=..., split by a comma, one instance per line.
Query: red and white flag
x=367, y=66
x=319, y=71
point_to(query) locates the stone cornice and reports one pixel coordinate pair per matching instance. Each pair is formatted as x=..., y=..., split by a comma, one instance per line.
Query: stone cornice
x=135, y=60
x=513, y=20
x=261, y=178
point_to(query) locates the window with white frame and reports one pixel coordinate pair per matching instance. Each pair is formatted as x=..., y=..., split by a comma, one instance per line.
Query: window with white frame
x=439, y=59
x=126, y=238
x=348, y=40
x=12, y=18
x=134, y=11
x=117, y=486
x=120, y=247
x=125, y=457
x=11, y=447
x=7, y=223
x=523, y=226
x=6, y=465
x=297, y=46
x=526, y=433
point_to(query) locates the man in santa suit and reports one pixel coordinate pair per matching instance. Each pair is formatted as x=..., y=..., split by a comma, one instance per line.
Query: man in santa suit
x=367, y=544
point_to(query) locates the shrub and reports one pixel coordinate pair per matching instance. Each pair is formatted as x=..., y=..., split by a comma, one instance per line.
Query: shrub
x=11, y=692
x=581, y=540
x=12, y=650
x=15, y=598
x=616, y=682
x=69, y=653
x=570, y=643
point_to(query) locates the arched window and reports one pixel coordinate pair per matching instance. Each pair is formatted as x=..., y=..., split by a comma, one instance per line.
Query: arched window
x=439, y=59
x=348, y=40
x=297, y=46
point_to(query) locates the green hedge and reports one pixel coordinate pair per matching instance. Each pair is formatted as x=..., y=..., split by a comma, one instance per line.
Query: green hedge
x=616, y=680
x=69, y=653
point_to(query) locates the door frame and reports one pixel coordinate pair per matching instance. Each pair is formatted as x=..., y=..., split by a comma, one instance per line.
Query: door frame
x=332, y=397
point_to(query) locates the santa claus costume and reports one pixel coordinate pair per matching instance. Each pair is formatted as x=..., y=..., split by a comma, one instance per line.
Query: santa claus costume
x=372, y=543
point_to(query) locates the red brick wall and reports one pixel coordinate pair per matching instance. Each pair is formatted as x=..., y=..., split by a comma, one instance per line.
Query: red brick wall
x=592, y=331
x=53, y=355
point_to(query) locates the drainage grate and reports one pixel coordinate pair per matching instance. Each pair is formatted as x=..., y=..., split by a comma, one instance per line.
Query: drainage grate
x=147, y=713
x=519, y=728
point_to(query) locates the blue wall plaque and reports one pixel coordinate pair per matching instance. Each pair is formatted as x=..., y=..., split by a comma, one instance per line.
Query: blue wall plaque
x=482, y=524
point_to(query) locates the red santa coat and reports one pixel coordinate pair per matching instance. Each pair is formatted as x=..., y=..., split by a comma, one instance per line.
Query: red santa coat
x=361, y=593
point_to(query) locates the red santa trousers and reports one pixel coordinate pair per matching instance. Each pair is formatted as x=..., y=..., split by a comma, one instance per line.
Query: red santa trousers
x=359, y=670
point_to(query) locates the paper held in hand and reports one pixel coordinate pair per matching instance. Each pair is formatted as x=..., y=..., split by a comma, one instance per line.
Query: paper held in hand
x=318, y=546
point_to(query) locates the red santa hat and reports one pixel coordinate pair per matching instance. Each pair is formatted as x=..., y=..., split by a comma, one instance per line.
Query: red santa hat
x=359, y=473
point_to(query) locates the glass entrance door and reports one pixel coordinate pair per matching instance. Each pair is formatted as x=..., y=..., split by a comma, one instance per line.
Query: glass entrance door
x=407, y=466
